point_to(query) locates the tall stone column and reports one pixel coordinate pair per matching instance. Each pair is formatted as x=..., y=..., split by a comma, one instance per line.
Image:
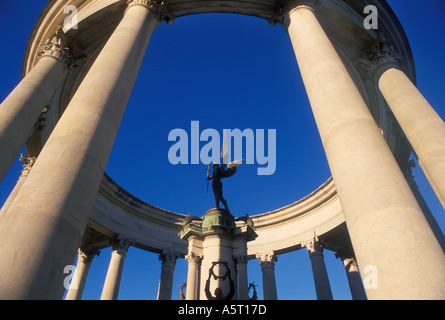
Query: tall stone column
x=110, y=290
x=243, y=282
x=381, y=213
x=267, y=262
x=423, y=127
x=168, y=260
x=85, y=257
x=352, y=273
x=52, y=208
x=192, y=274
x=21, y=109
x=321, y=279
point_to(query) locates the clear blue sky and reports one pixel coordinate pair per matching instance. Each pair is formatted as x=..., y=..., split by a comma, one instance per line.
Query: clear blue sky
x=225, y=71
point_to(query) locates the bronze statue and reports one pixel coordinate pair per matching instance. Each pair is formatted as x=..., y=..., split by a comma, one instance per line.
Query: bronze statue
x=222, y=171
x=181, y=291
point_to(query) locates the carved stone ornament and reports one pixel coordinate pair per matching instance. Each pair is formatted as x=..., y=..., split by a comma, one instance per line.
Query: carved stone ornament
x=168, y=259
x=121, y=245
x=62, y=48
x=28, y=162
x=158, y=7
x=283, y=8
x=380, y=54
x=314, y=246
x=267, y=260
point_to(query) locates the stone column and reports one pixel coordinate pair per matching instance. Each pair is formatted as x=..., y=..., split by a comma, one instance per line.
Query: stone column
x=53, y=206
x=85, y=257
x=21, y=109
x=321, y=280
x=193, y=262
x=110, y=290
x=168, y=260
x=267, y=262
x=423, y=127
x=381, y=213
x=243, y=283
x=355, y=282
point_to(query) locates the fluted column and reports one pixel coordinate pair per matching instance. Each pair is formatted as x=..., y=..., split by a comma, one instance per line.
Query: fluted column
x=110, y=290
x=354, y=280
x=192, y=274
x=381, y=213
x=267, y=263
x=53, y=206
x=243, y=282
x=21, y=109
x=168, y=260
x=321, y=280
x=85, y=257
x=423, y=127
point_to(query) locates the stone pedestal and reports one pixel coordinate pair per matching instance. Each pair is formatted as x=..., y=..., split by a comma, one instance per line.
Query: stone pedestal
x=217, y=239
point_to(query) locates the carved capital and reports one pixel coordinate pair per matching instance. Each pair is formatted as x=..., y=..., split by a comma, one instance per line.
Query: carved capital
x=168, y=259
x=283, y=9
x=87, y=254
x=121, y=245
x=314, y=246
x=193, y=258
x=158, y=7
x=28, y=162
x=380, y=56
x=62, y=48
x=241, y=259
x=267, y=260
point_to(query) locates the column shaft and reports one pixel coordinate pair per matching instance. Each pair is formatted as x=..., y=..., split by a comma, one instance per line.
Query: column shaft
x=243, y=282
x=267, y=263
x=381, y=213
x=53, y=206
x=110, y=290
x=21, y=109
x=423, y=127
x=191, y=277
x=319, y=272
x=354, y=279
x=167, y=272
x=80, y=274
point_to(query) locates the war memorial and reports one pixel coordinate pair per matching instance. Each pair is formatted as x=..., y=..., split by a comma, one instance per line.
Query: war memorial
x=368, y=112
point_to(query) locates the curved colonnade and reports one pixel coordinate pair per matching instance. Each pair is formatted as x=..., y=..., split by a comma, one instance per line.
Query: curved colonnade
x=345, y=68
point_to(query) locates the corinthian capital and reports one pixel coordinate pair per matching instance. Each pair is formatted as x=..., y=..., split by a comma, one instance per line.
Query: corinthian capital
x=267, y=260
x=168, y=259
x=314, y=246
x=283, y=8
x=121, y=245
x=62, y=48
x=381, y=54
x=158, y=7
x=28, y=162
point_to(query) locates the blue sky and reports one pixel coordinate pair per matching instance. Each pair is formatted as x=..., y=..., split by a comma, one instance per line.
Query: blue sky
x=225, y=71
